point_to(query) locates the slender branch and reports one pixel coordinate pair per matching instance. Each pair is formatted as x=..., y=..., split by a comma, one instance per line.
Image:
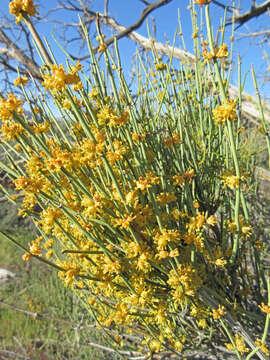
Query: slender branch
x=106, y=7
x=15, y=53
x=218, y=3
x=145, y=43
x=145, y=2
x=255, y=34
x=38, y=40
x=255, y=11
x=28, y=40
x=147, y=10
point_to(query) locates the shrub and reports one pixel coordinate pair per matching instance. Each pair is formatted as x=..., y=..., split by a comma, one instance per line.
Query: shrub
x=142, y=200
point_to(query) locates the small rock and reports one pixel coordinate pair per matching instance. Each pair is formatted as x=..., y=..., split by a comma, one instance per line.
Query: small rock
x=5, y=276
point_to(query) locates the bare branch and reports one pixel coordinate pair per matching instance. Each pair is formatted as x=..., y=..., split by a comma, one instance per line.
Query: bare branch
x=6, y=65
x=106, y=7
x=255, y=34
x=144, y=42
x=218, y=3
x=147, y=10
x=255, y=11
x=15, y=53
x=145, y=2
x=28, y=40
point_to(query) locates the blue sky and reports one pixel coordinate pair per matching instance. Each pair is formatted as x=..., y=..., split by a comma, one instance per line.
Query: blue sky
x=127, y=12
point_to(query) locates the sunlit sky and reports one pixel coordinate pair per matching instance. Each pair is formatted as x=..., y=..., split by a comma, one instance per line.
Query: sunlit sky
x=126, y=12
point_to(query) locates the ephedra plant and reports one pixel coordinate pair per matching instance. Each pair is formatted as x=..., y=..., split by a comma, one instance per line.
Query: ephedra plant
x=141, y=198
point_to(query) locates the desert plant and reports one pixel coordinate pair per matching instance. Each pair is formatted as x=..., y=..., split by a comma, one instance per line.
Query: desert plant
x=142, y=200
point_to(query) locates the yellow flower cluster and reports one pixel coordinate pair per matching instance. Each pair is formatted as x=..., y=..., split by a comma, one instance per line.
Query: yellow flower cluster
x=220, y=52
x=202, y=2
x=217, y=313
x=245, y=229
x=265, y=308
x=21, y=80
x=160, y=66
x=9, y=109
x=11, y=130
x=19, y=8
x=239, y=345
x=225, y=112
x=171, y=140
x=262, y=347
x=58, y=79
x=230, y=180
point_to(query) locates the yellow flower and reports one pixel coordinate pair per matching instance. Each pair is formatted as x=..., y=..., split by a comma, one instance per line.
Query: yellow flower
x=142, y=262
x=11, y=130
x=230, y=180
x=102, y=47
x=202, y=323
x=196, y=223
x=189, y=174
x=48, y=244
x=202, y=2
x=208, y=55
x=19, y=7
x=195, y=33
x=165, y=198
x=259, y=245
x=222, y=51
x=239, y=345
x=262, y=347
x=155, y=346
x=220, y=262
x=9, y=106
x=265, y=308
x=49, y=253
x=26, y=257
x=160, y=66
x=225, y=112
x=178, y=180
x=35, y=249
x=111, y=267
x=162, y=255
x=217, y=313
x=59, y=78
x=174, y=253
x=245, y=228
x=166, y=236
x=21, y=80
x=172, y=140
x=211, y=221
x=124, y=223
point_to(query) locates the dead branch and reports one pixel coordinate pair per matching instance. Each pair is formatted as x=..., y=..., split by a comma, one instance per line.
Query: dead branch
x=255, y=11
x=106, y=7
x=14, y=52
x=265, y=33
x=147, y=10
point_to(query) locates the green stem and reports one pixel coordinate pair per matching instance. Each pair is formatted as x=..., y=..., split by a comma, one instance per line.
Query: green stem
x=231, y=138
